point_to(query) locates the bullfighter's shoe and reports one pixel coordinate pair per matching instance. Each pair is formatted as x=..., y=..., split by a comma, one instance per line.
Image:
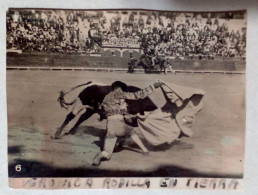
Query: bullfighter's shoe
x=101, y=156
x=97, y=159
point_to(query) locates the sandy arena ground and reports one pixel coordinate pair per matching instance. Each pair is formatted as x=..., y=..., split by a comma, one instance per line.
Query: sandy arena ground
x=215, y=150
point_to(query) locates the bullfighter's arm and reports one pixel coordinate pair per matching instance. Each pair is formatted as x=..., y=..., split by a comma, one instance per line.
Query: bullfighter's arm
x=141, y=94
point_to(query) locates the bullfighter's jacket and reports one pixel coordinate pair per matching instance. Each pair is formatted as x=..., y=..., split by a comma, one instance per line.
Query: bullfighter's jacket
x=114, y=103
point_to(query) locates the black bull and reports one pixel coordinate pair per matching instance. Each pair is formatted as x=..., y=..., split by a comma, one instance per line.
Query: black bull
x=88, y=103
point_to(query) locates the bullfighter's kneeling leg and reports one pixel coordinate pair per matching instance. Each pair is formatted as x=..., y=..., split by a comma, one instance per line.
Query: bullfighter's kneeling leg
x=137, y=140
x=109, y=145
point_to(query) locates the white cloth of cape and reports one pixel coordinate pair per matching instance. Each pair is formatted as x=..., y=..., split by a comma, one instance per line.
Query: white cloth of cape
x=165, y=124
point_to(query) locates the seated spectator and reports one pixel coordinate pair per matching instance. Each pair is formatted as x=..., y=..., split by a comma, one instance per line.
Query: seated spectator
x=182, y=37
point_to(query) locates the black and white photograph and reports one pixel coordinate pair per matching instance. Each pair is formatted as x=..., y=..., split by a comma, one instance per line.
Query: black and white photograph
x=125, y=93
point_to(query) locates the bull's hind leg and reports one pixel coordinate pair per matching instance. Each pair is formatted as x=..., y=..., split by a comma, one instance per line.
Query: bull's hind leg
x=83, y=117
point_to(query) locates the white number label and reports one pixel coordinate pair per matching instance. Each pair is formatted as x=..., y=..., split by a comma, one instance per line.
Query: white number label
x=18, y=168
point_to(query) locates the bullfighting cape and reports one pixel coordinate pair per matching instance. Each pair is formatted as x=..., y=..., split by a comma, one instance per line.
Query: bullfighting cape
x=165, y=125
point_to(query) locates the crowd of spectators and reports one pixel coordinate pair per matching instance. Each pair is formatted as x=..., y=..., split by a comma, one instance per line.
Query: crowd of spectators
x=171, y=34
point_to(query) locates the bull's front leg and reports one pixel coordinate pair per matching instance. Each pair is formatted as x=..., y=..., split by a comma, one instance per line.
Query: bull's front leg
x=69, y=117
x=77, y=108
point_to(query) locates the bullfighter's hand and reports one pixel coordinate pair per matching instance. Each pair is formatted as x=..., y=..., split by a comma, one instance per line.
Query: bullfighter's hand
x=158, y=84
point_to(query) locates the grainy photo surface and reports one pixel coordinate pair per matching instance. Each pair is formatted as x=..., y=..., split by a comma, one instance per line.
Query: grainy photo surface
x=125, y=99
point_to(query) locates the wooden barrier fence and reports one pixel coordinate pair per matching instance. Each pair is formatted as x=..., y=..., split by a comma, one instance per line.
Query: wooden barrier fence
x=115, y=70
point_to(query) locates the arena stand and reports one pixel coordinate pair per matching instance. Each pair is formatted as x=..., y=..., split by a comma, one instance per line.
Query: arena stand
x=189, y=37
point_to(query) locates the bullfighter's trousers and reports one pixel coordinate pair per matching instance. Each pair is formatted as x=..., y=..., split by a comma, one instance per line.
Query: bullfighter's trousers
x=116, y=128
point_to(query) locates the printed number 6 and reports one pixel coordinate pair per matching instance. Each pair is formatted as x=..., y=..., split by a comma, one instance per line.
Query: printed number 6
x=18, y=168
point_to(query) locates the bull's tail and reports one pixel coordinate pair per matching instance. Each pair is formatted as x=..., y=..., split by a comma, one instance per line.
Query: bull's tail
x=61, y=99
x=62, y=102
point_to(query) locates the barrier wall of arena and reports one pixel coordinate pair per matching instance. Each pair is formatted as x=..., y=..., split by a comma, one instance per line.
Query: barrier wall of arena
x=60, y=60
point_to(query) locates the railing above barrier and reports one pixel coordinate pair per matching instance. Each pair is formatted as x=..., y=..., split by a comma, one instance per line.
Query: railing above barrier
x=116, y=70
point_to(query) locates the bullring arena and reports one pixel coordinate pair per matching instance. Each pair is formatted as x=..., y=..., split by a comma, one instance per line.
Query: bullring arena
x=215, y=150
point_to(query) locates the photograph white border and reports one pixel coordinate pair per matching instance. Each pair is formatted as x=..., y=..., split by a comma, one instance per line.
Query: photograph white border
x=251, y=159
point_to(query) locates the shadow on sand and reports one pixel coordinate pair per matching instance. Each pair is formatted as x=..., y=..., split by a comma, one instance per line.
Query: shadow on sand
x=90, y=130
x=14, y=149
x=37, y=169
